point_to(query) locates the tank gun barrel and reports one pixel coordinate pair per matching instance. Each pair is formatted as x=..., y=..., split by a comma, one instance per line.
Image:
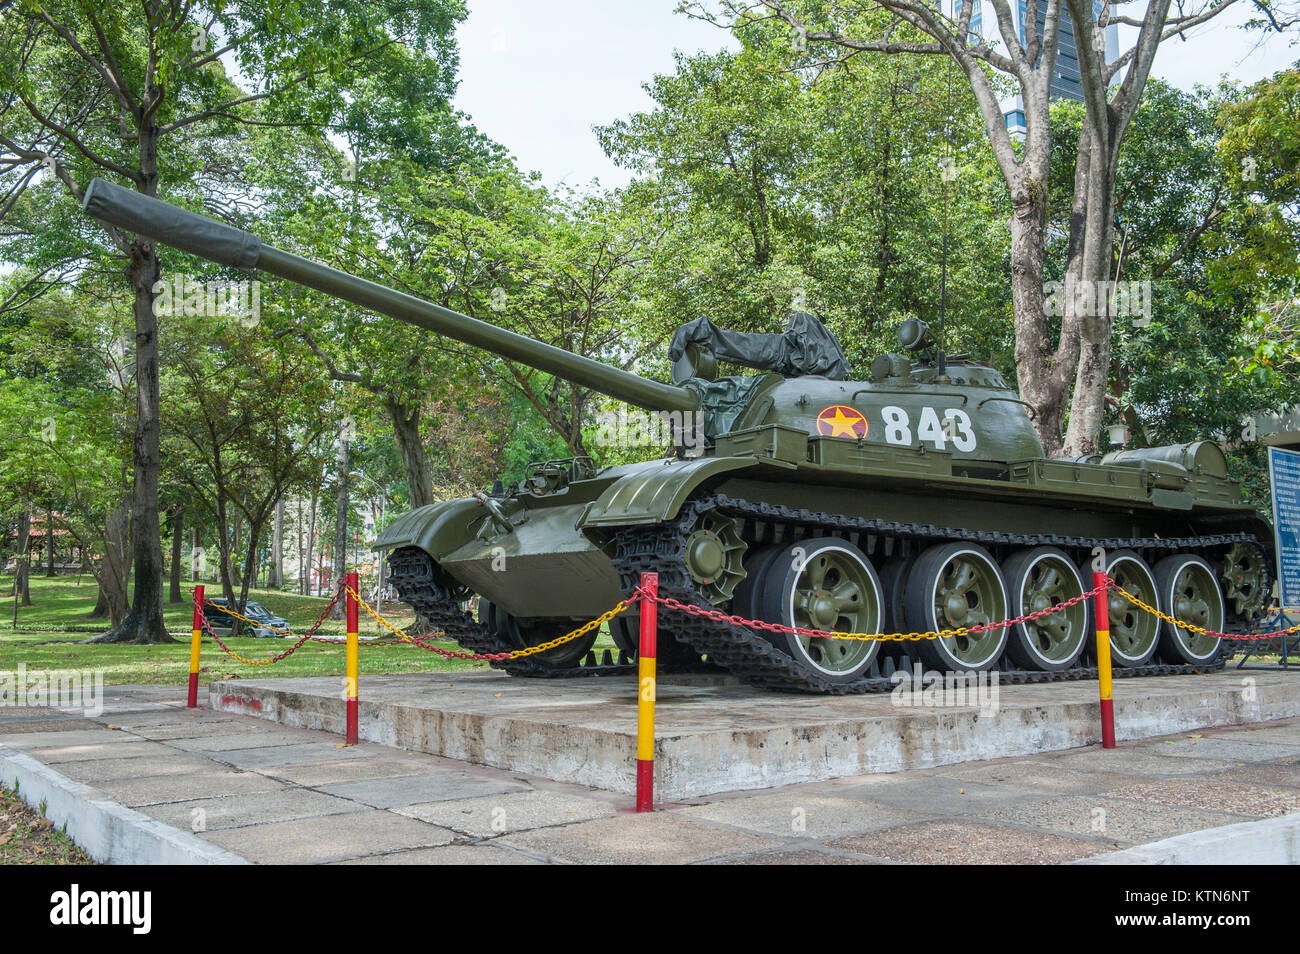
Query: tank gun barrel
x=227, y=245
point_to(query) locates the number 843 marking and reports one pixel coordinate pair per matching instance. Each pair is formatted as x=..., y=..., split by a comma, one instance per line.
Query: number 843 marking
x=955, y=427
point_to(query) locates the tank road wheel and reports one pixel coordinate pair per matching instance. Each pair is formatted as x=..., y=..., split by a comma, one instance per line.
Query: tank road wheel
x=1039, y=579
x=522, y=635
x=954, y=585
x=1189, y=592
x=893, y=577
x=1134, y=633
x=824, y=583
x=1246, y=579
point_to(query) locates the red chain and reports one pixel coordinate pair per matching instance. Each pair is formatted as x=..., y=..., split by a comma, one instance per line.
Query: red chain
x=721, y=617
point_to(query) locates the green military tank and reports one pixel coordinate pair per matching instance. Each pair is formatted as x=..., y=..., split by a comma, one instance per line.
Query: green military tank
x=915, y=497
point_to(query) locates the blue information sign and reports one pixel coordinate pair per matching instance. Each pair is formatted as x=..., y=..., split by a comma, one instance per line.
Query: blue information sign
x=1284, y=474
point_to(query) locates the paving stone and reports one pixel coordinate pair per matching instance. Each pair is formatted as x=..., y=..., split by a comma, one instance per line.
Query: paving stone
x=193, y=730
x=229, y=741
x=45, y=722
x=500, y=814
x=652, y=838
x=416, y=789
x=932, y=795
x=206, y=783
x=236, y=811
x=1281, y=773
x=447, y=855
x=323, y=773
x=104, y=770
x=963, y=842
x=273, y=756
x=330, y=838
x=1230, y=749
x=29, y=741
x=804, y=857
x=1126, y=822
x=1046, y=776
x=1139, y=761
x=801, y=815
x=1221, y=794
x=125, y=747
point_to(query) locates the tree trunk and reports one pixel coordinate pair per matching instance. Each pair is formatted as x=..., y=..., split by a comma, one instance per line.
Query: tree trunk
x=178, y=525
x=49, y=541
x=101, y=604
x=311, y=544
x=275, y=577
x=22, y=559
x=341, y=525
x=302, y=567
x=144, y=624
x=415, y=460
x=115, y=566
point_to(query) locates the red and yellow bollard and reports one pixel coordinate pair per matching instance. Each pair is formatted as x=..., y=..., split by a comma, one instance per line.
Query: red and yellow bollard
x=196, y=636
x=645, y=710
x=1101, y=614
x=350, y=582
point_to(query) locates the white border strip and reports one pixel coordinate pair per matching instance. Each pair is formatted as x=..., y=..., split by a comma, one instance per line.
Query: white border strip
x=1271, y=841
x=108, y=832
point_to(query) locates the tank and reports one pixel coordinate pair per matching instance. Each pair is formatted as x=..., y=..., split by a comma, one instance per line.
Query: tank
x=913, y=497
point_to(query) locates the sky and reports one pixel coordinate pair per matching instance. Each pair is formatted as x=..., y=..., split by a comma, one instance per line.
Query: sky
x=537, y=77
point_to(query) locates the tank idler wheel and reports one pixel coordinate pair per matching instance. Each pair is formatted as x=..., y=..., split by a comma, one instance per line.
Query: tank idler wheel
x=1246, y=579
x=1189, y=592
x=1037, y=580
x=951, y=586
x=829, y=584
x=1134, y=633
x=523, y=635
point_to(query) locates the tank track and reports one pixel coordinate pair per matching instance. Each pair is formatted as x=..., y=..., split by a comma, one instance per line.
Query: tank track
x=661, y=549
x=411, y=571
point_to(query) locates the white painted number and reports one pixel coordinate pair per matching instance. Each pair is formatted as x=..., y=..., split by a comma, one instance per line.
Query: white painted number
x=897, y=430
x=955, y=427
x=929, y=429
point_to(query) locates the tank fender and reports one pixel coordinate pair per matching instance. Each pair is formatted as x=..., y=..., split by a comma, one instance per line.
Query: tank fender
x=437, y=529
x=656, y=490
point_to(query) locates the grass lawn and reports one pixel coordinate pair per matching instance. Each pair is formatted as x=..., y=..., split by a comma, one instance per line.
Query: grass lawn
x=27, y=837
x=48, y=632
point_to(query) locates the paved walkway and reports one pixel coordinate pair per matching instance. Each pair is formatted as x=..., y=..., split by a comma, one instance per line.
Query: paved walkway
x=280, y=795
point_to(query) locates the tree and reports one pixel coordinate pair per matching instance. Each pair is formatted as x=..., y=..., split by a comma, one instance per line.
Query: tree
x=1079, y=360
x=129, y=93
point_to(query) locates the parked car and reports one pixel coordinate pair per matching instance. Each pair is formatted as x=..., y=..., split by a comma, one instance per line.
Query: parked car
x=222, y=622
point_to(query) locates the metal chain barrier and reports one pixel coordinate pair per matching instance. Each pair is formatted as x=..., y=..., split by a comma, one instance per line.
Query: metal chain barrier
x=207, y=627
x=582, y=630
x=1192, y=627
x=712, y=614
x=721, y=617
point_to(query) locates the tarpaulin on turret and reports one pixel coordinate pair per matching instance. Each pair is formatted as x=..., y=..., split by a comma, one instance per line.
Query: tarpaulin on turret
x=806, y=347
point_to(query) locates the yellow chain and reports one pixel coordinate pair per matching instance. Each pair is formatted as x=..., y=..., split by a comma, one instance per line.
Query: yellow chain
x=252, y=622
x=514, y=653
x=1178, y=622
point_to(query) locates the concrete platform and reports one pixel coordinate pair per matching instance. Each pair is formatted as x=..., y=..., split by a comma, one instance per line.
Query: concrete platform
x=716, y=735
